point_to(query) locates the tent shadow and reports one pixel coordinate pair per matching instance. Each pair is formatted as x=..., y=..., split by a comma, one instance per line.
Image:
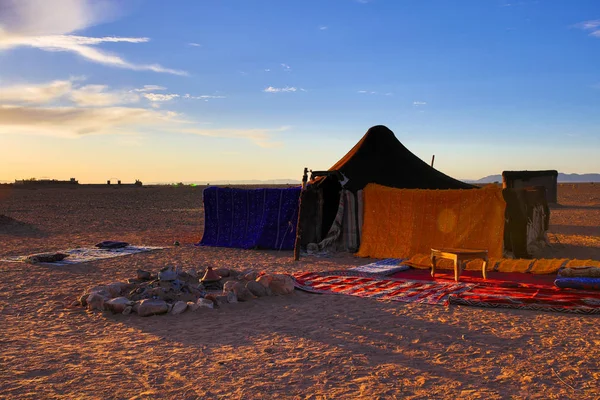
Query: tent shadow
x=575, y=230
x=415, y=336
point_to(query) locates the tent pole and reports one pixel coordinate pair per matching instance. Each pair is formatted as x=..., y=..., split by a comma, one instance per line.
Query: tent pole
x=298, y=229
x=432, y=159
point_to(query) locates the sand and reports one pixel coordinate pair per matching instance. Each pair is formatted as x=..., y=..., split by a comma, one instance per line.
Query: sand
x=301, y=346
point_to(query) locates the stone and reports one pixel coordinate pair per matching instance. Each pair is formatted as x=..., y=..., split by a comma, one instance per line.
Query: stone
x=231, y=298
x=223, y=299
x=179, y=307
x=242, y=293
x=118, y=304
x=83, y=299
x=222, y=272
x=75, y=303
x=213, y=298
x=127, y=310
x=167, y=274
x=116, y=289
x=149, y=307
x=228, y=286
x=251, y=275
x=202, y=302
x=136, y=306
x=192, y=273
x=264, y=280
x=281, y=284
x=192, y=306
x=143, y=275
x=256, y=289
x=95, y=301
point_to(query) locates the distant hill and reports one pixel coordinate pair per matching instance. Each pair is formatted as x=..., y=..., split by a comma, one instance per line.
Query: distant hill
x=562, y=178
x=237, y=182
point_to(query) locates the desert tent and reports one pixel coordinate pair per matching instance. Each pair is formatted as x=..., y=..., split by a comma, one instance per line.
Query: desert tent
x=524, y=179
x=250, y=218
x=379, y=158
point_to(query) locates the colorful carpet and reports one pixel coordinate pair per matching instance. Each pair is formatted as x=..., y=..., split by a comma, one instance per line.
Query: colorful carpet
x=385, y=267
x=355, y=284
x=529, y=298
x=84, y=254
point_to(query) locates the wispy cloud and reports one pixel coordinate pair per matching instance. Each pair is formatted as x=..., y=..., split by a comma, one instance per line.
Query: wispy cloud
x=286, y=67
x=286, y=89
x=323, y=28
x=46, y=25
x=194, y=44
x=592, y=26
x=419, y=103
x=150, y=88
x=260, y=137
x=375, y=93
x=69, y=109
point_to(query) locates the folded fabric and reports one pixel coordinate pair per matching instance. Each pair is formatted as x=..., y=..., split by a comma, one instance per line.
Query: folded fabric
x=580, y=283
x=45, y=257
x=586, y=271
x=112, y=244
x=388, y=266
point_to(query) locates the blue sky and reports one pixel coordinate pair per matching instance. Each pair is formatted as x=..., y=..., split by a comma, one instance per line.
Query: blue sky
x=259, y=89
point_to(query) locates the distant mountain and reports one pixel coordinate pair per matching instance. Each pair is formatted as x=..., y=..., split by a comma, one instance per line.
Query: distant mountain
x=237, y=182
x=562, y=178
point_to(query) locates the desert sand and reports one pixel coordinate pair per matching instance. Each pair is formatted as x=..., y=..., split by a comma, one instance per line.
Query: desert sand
x=301, y=346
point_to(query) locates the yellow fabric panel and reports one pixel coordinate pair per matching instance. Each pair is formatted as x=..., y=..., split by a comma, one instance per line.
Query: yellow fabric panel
x=399, y=223
x=535, y=266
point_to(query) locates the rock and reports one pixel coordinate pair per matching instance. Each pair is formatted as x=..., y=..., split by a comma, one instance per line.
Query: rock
x=167, y=274
x=220, y=300
x=143, y=275
x=192, y=273
x=136, y=306
x=149, y=307
x=95, y=301
x=250, y=276
x=256, y=289
x=45, y=258
x=202, y=302
x=264, y=280
x=242, y=293
x=213, y=298
x=83, y=299
x=231, y=298
x=228, y=286
x=281, y=284
x=233, y=273
x=75, y=303
x=118, y=288
x=127, y=310
x=222, y=272
x=156, y=292
x=118, y=304
x=179, y=307
x=192, y=306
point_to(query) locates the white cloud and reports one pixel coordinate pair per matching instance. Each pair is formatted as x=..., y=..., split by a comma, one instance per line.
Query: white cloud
x=205, y=97
x=160, y=97
x=591, y=25
x=260, y=137
x=194, y=44
x=377, y=93
x=36, y=94
x=100, y=96
x=419, y=103
x=150, y=88
x=267, y=70
x=46, y=25
x=74, y=122
x=286, y=67
x=323, y=28
x=272, y=89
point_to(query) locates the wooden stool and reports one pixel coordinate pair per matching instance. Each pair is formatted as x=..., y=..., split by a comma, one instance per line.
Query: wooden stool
x=459, y=256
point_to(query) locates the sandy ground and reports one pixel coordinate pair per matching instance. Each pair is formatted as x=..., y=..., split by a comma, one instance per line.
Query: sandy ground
x=298, y=346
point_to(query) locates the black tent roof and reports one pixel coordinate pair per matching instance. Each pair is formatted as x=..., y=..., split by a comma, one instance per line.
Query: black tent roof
x=379, y=157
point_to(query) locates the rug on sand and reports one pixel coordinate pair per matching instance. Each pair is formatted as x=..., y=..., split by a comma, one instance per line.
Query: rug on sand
x=381, y=288
x=385, y=267
x=529, y=298
x=84, y=254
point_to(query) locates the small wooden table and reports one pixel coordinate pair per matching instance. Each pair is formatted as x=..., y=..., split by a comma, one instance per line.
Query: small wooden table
x=459, y=256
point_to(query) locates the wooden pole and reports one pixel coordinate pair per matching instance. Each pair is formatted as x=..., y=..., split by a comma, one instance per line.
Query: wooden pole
x=432, y=159
x=298, y=228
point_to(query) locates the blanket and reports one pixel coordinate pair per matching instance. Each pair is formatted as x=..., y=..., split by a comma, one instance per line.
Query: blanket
x=84, y=254
x=581, y=283
x=385, y=267
x=380, y=288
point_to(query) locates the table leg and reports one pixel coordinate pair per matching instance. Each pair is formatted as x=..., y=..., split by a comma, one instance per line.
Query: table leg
x=456, y=269
x=484, y=268
x=433, y=259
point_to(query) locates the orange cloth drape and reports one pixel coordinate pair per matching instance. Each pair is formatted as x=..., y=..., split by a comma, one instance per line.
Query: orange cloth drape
x=399, y=223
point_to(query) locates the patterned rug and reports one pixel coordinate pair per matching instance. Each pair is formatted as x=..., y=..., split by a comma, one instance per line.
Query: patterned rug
x=529, y=298
x=84, y=254
x=357, y=284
